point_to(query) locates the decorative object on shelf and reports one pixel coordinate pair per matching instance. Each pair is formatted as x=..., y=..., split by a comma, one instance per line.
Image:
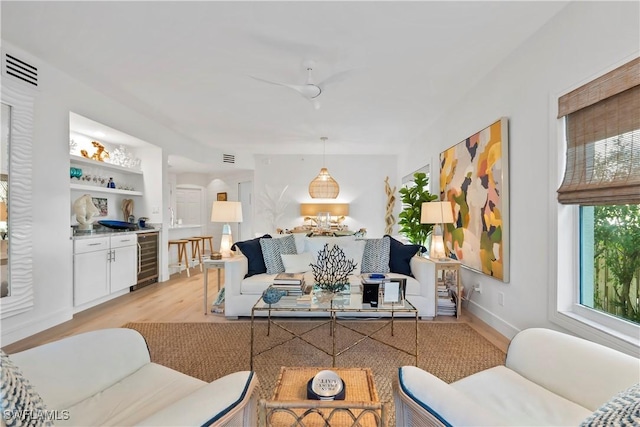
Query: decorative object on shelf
x=75, y=172
x=111, y=184
x=142, y=221
x=324, y=186
x=272, y=295
x=226, y=212
x=474, y=176
x=437, y=213
x=332, y=269
x=100, y=155
x=73, y=146
x=102, y=205
x=85, y=210
x=389, y=219
x=412, y=198
x=127, y=208
x=122, y=157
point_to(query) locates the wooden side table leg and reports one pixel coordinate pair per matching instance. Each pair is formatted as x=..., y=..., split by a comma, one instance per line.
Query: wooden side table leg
x=206, y=287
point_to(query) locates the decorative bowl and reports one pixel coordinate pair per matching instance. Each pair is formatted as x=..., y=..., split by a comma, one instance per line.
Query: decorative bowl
x=272, y=296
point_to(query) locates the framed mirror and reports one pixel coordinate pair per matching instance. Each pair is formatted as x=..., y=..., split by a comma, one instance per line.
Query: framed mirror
x=17, y=128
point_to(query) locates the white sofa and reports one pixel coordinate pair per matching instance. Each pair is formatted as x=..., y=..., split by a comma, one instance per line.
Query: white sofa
x=549, y=379
x=241, y=292
x=106, y=378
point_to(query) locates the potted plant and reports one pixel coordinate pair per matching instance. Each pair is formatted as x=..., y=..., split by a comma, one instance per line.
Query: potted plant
x=412, y=199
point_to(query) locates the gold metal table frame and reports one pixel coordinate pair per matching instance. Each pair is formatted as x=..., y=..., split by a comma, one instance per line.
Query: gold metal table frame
x=346, y=303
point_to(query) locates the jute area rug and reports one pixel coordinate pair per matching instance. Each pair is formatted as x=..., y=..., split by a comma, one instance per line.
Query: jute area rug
x=209, y=351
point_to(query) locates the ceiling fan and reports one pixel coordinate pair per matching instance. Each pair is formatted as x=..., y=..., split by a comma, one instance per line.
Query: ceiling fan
x=309, y=90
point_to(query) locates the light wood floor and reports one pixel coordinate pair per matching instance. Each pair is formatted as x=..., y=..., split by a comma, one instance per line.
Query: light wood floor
x=178, y=300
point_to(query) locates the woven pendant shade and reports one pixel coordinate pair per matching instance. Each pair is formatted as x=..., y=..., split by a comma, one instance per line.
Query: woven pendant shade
x=324, y=186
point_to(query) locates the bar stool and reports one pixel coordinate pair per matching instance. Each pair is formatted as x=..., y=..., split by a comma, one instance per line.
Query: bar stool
x=182, y=255
x=204, y=240
x=196, y=254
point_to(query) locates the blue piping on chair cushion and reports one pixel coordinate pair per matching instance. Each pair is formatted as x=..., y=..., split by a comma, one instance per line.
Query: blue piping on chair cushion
x=233, y=405
x=422, y=404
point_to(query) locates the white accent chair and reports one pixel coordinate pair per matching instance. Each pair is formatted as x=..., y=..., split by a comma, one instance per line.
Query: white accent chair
x=549, y=379
x=106, y=377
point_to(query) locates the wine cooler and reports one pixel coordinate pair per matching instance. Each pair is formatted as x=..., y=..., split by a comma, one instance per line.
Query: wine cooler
x=148, y=269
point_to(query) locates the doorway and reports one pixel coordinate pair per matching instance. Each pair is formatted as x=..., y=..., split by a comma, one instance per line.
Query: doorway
x=189, y=205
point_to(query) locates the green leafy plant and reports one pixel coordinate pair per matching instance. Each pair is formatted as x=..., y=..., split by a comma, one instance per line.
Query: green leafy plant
x=412, y=198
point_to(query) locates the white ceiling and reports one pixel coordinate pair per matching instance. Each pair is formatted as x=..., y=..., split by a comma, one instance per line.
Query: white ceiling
x=188, y=64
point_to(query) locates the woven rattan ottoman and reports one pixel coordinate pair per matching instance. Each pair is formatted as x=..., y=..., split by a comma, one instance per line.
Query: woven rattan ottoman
x=290, y=407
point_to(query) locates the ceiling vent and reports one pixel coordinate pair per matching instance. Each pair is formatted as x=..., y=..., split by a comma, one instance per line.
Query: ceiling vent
x=228, y=158
x=20, y=70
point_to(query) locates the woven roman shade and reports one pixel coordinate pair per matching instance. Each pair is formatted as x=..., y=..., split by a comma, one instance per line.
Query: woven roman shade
x=603, y=140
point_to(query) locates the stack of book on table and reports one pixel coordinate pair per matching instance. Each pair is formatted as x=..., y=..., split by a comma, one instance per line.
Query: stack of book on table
x=446, y=302
x=293, y=283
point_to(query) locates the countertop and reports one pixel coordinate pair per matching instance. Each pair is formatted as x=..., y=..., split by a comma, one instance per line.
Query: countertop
x=179, y=226
x=103, y=232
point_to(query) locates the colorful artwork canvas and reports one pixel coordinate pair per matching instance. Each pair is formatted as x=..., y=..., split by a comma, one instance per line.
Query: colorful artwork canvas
x=474, y=178
x=101, y=204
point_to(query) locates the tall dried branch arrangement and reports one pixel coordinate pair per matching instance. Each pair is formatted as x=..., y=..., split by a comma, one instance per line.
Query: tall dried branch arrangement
x=389, y=219
x=332, y=269
x=274, y=204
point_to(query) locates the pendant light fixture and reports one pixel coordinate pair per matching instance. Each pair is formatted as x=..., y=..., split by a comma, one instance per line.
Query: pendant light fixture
x=324, y=186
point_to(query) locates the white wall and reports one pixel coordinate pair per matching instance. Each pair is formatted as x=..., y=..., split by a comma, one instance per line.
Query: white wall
x=361, y=179
x=584, y=40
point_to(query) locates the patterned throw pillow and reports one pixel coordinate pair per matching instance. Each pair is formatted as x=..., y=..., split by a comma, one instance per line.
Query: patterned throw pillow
x=622, y=410
x=20, y=403
x=272, y=249
x=376, y=256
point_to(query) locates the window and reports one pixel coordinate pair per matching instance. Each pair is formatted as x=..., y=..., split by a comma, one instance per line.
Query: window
x=601, y=193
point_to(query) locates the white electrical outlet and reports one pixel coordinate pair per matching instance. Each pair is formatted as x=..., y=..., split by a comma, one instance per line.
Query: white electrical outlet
x=478, y=288
x=501, y=299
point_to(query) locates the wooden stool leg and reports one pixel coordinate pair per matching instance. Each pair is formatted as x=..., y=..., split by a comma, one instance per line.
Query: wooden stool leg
x=186, y=259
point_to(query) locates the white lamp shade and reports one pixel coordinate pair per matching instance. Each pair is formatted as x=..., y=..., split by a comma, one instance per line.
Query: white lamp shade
x=226, y=212
x=436, y=213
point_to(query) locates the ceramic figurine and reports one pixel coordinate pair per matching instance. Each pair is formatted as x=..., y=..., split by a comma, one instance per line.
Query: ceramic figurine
x=85, y=210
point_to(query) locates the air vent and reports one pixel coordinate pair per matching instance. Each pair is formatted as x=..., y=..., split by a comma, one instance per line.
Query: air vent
x=228, y=158
x=21, y=70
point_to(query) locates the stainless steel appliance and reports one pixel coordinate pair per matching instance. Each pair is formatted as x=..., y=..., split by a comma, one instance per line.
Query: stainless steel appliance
x=147, y=259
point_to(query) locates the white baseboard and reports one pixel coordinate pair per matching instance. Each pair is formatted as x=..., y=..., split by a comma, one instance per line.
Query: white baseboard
x=500, y=325
x=34, y=326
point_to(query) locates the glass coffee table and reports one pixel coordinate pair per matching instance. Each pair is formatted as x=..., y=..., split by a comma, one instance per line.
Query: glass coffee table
x=341, y=304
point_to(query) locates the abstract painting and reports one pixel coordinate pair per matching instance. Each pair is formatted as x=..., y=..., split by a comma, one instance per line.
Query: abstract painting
x=474, y=177
x=101, y=204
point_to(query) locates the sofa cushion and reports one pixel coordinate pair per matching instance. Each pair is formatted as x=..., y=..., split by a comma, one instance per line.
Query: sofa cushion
x=297, y=263
x=519, y=401
x=375, y=258
x=134, y=398
x=313, y=245
x=400, y=256
x=252, y=250
x=19, y=397
x=622, y=409
x=272, y=249
x=352, y=248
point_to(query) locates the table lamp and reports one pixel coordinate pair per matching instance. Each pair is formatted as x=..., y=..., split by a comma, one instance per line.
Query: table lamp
x=226, y=212
x=437, y=213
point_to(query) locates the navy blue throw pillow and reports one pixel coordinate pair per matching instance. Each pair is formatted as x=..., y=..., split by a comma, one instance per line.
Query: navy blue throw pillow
x=252, y=250
x=400, y=256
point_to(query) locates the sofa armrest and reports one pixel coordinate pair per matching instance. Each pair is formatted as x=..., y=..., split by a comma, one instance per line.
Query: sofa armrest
x=230, y=400
x=235, y=269
x=67, y=371
x=579, y=370
x=423, y=399
x=420, y=270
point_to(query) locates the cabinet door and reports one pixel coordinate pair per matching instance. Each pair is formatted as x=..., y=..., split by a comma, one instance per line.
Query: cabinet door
x=124, y=268
x=90, y=276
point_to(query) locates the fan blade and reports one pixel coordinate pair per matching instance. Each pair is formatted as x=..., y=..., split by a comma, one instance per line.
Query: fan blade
x=298, y=88
x=337, y=77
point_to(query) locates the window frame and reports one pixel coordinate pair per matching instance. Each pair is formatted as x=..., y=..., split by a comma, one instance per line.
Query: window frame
x=564, y=305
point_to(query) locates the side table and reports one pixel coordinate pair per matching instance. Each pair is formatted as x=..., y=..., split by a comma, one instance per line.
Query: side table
x=446, y=273
x=218, y=264
x=290, y=406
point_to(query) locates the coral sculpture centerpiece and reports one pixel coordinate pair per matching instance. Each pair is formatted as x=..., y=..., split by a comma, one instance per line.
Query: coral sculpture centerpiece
x=332, y=269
